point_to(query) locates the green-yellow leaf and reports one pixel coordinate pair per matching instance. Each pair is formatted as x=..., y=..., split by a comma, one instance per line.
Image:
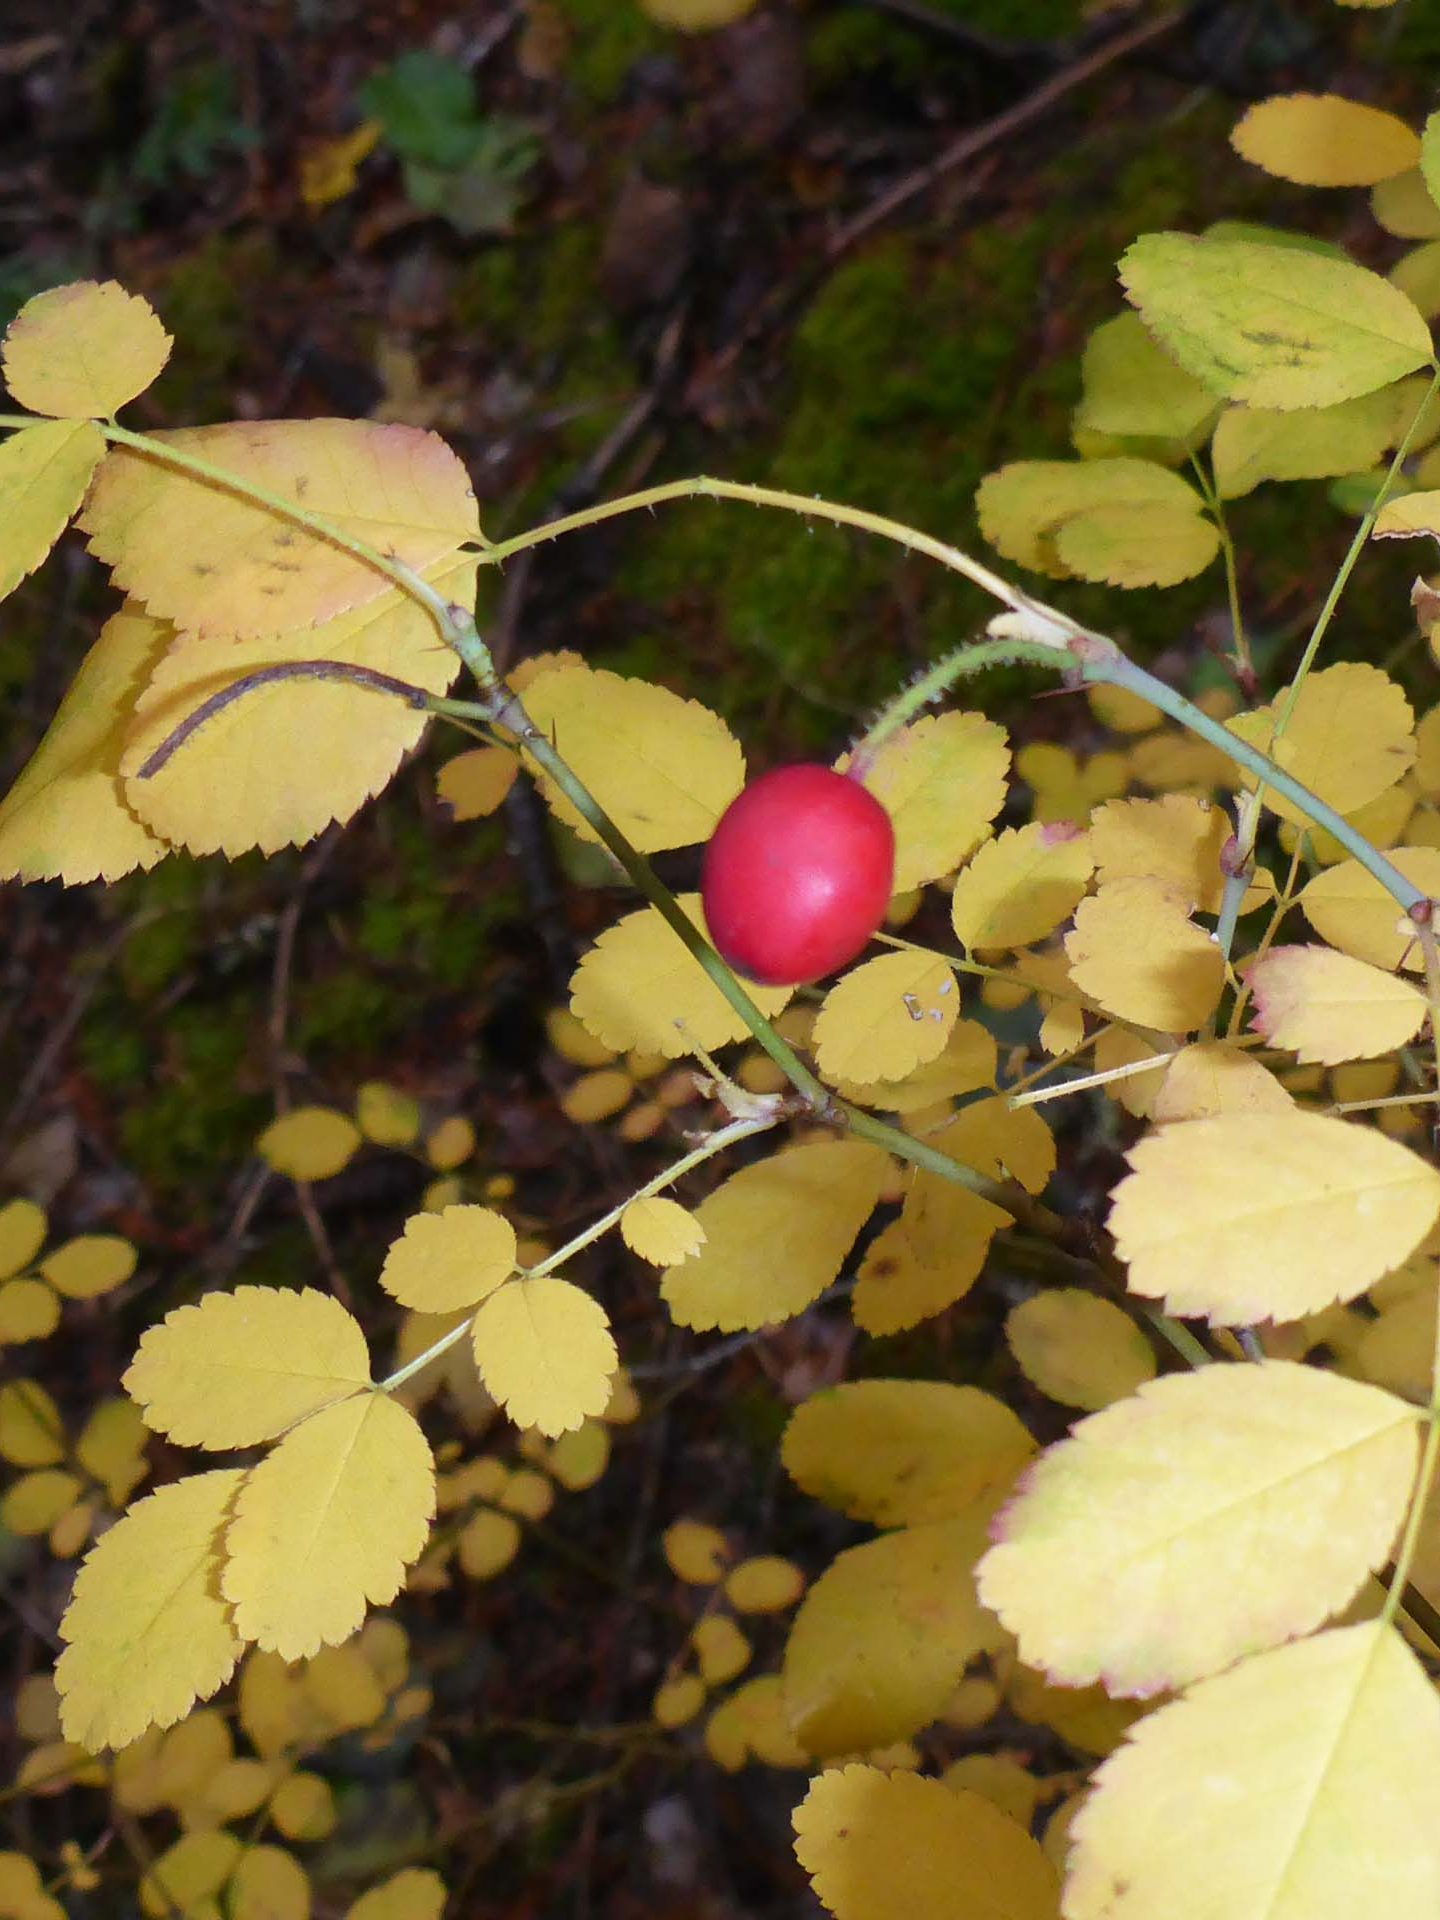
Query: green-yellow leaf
x=1326, y=1007
x=900, y=1452
x=274, y=765
x=1078, y=1349
x=34, y=1503
x=1273, y=328
x=89, y=1265
x=189, y=1875
x=474, y=785
x=32, y=1434
x=148, y=1633
x=1142, y=1551
x=1135, y=951
x=44, y=472
x=1350, y=737
x=1021, y=885
x=639, y=986
x=661, y=1231
x=776, y=1234
x=243, y=1367
x=415, y=1893
x=65, y=818
x=312, y=1143
x=886, y=1017
x=244, y=571
x=696, y=16
x=22, y=1234
x=1302, y=1785
x=1023, y=506
x=22, y=1892
x=696, y=1553
x=29, y=1310
x=1347, y=906
x=1150, y=544
x=1417, y=275
x=111, y=1446
x=1133, y=388
x=664, y=768
x=303, y=1807
x=328, y=1523
x=451, y=1259
x=1325, y=140
x=1404, y=206
x=1253, y=444
x=767, y=1583
x=83, y=350
x=881, y=1639
x=387, y=1115
x=1268, y=1216
x=269, y=1883
x=942, y=781
x=545, y=1352
x=879, y=1844
x=1430, y=155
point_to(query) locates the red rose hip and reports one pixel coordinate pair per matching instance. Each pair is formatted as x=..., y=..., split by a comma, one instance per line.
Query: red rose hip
x=797, y=875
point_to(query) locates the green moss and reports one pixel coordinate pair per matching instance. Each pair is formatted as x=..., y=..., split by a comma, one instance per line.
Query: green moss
x=608, y=37
x=204, y=301
x=347, y=1015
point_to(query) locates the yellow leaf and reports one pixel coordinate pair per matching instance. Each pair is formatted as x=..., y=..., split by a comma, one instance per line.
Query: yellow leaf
x=776, y=1235
x=545, y=1352
x=764, y=1584
x=1175, y=840
x=639, y=986
x=474, y=785
x=276, y=764
x=1268, y=1216
x=1347, y=906
x=65, y=817
x=1078, y=1349
x=1022, y=507
x=1153, y=543
x=942, y=781
x=83, y=350
x=111, y=1448
x=1273, y=327
x=343, y=1686
x=884, y=1634
x=661, y=1231
x=303, y=1807
x=451, y=1259
x=1132, y=387
x=91, y=1264
x=32, y=1433
x=1141, y=1552
x=415, y=1893
x=1326, y=1807
x=488, y=1544
x=244, y=571
x=678, y=1700
x=44, y=472
x=189, y=1875
x=967, y=1064
x=1064, y=789
x=1253, y=444
x=1350, y=737
x=1430, y=155
x=1324, y=1006
x=879, y=1844
x=148, y=1633
x=663, y=768
x=21, y=1891
x=269, y=1884
x=696, y=1553
x=329, y=171
x=900, y=1452
x=886, y=1017
x=1215, y=1077
x=1397, y=1351
x=451, y=1144
x=243, y=1367
x=328, y=1523
x=387, y=1115
x=1002, y=1781
x=1135, y=951
x=1084, y=1717
x=33, y=1504
x=1021, y=885
x=927, y=1259
x=597, y=1096
x=696, y=16
x=751, y=1723
x=22, y=1234
x=577, y=1459
x=1324, y=140
x=312, y=1143
x=721, y=1648
x=1005, y=1142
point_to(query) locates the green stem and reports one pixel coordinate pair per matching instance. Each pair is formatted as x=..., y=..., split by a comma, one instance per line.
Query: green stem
x=937, y=680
